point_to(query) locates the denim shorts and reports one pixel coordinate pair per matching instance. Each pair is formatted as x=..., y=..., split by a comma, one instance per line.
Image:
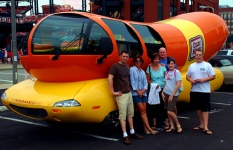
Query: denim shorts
x=137, y=99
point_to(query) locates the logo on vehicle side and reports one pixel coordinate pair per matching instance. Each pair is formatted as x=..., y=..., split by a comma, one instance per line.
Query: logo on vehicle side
x=24, y=101
x=195, y=43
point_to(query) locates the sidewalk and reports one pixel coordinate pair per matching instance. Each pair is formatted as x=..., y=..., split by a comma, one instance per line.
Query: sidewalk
x=8, y=67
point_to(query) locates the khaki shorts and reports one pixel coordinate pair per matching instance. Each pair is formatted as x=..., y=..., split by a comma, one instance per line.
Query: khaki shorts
x=125, y=105
x=170, y=106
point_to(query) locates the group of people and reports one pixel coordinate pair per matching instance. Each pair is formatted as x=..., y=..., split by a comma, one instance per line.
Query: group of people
x=6, y=56
x=3, y=55
x=129, y=85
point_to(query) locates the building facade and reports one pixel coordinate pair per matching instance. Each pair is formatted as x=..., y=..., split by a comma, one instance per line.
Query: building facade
x=151, y=10
x=226, y=13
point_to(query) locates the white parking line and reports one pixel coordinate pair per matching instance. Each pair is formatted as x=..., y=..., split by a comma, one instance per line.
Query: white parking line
x=181, y=117
x=224, y=93
x=220, y=103
x=3, y=108
x=22, y=74
x=4, y=73
x=44, y=125
x=6, y=80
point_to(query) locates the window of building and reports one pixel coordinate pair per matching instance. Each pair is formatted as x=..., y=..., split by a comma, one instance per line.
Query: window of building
x=225, y=16
x=160, y=9
x=229, y=15
x=173, y=8
x=190, y=5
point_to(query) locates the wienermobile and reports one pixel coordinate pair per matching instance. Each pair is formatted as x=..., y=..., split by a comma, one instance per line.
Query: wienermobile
x=70, y=54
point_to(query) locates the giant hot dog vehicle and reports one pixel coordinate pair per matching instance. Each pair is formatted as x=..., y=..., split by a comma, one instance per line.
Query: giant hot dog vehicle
x=70, y=54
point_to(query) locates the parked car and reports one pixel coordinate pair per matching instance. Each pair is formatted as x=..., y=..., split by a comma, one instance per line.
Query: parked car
x=225, y=66
x=226, y=54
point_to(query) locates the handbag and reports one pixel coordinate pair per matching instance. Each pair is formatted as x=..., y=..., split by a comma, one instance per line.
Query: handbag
x=148, y=89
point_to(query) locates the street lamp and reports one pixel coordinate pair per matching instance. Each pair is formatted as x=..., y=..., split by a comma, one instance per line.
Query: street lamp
x=14, y=43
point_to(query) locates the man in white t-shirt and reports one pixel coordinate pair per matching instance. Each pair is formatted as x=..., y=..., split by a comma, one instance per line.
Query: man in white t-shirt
x=199, y=74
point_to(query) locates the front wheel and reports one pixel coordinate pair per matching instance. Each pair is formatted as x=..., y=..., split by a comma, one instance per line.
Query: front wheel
x=111, y=120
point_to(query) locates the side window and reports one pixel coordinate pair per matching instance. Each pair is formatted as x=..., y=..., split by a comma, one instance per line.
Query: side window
x=93, y=46
x=222, y=52
x=151, y=38
x=125, y=37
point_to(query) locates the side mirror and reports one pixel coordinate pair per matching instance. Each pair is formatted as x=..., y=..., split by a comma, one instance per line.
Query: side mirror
x=106, y=45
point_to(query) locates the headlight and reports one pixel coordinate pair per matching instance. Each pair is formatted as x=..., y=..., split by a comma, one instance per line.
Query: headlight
x=67, y=103
x=3, y=97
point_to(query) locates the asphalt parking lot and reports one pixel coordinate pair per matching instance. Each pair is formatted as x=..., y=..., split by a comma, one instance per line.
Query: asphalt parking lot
x=80, y=136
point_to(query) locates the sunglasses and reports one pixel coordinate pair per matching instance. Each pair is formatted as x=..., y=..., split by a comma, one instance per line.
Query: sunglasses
x=137, y=61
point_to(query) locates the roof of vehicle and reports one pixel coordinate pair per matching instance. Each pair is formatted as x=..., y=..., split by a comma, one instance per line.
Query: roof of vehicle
x=225, y=52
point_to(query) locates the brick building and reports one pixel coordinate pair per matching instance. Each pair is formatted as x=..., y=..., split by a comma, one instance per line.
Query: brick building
x=151, y=10
x=226, y=13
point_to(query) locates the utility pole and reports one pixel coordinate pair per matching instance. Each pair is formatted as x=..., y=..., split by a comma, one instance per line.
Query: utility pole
x=84, y=5
x=14, y=43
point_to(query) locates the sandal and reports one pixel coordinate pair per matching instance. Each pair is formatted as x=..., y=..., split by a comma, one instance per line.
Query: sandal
x=179, y=129
x=207, y=132
x=198, y=128
x=154, y=132
x=170, y=130
x=153, y=127
x=167, y=126
x=147, y=132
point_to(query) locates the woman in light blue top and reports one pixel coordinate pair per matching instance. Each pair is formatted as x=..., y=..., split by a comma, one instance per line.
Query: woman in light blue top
x=170, y=95
x=155, y=74
x=139, y=87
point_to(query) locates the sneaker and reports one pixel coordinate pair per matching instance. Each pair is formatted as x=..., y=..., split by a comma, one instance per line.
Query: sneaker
x=136, y=136
x=126, y=140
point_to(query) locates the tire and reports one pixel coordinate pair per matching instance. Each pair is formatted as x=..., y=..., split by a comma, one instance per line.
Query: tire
x=111, y=121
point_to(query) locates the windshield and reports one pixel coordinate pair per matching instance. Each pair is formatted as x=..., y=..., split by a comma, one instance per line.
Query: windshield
x=152, y=39
x=60, y=32
x=225, y=62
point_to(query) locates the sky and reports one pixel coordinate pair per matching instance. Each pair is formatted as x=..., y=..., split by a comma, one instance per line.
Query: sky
x=226, y=2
